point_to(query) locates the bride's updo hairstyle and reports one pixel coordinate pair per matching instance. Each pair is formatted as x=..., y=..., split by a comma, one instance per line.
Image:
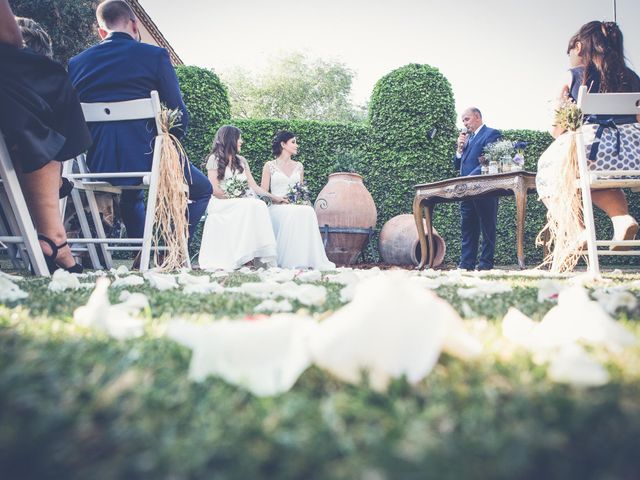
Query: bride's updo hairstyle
x=225, y=149
x=283, y=136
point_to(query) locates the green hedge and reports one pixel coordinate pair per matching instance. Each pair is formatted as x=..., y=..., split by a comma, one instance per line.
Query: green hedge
x=207, y=102
x=396, y=153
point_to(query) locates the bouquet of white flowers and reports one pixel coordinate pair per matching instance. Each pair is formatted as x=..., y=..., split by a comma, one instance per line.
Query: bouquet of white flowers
x=298, y=194
x=499, y=151
x=235, y=187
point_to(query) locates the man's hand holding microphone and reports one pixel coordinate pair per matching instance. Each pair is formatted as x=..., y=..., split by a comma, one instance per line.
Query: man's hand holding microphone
x=462, y=140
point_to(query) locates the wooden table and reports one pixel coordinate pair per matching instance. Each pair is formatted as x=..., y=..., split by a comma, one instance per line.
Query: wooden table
x=468, y=188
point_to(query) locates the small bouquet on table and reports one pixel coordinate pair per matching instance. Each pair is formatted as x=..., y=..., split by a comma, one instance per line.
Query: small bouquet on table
x=503, y=156
x=298, y=194
x=236, y=187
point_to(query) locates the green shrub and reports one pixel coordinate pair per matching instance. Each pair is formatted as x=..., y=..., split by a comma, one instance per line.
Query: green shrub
x=207, y=102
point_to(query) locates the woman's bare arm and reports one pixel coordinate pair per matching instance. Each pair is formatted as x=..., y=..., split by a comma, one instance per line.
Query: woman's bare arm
x=9, y=30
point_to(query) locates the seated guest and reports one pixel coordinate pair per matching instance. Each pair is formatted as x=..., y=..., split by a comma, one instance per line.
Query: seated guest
x=596, y=57
x=42, y=123
x=480, y=215
x=121, y=68
x=35, y=37
x=38, y=40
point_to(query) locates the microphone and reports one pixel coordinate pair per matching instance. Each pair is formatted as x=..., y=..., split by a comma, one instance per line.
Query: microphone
x=464, y=131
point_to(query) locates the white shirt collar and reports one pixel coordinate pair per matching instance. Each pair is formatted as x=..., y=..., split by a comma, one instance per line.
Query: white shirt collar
x=478, y=129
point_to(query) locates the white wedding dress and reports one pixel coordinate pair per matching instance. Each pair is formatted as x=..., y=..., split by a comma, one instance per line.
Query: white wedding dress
x=236, y=231
x=298, y=237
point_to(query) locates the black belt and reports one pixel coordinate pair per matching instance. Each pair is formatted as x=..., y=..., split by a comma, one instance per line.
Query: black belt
x=602, y=125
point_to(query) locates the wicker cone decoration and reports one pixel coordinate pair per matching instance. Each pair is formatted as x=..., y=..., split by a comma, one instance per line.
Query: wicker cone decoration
x=564, y=215
x=171, y=223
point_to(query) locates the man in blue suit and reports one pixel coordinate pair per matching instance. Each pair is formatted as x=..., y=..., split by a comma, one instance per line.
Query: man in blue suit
x=478, y=215
x=121, y=68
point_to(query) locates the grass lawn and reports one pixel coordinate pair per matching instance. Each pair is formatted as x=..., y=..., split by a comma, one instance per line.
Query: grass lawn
x=76, y=403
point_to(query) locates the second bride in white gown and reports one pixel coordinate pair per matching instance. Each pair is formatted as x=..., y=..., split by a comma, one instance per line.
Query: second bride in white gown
x=298, y=239
x=237, y=230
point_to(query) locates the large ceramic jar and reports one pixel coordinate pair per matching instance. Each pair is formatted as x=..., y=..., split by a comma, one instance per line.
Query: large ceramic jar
x=345, y=202
x=399, y=243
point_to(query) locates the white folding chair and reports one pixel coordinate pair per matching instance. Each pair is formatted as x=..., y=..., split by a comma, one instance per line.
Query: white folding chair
x=90, y=183
x=20, y=229
x=604, y=104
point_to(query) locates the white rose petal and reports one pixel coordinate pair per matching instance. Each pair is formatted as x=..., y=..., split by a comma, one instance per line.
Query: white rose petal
x=391, y=328
x=274, y=306
x=574, y=366
x=161, y=281
x=307, y=276
x=265, y=356
x=9, y=291
x=62, y=280
x=115, y=320
x=128, y=281
x=212, y=287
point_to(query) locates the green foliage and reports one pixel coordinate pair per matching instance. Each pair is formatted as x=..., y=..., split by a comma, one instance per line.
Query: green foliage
x=294, y=87
x=207, y=103
x=347, y=161
x=71, y=24
x=77, y=404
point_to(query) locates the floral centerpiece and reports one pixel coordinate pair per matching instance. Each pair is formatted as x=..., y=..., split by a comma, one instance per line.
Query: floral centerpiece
x=505, y=155
x=298, y=194
x=518, y=158
x=499, y=153
x=235, y=187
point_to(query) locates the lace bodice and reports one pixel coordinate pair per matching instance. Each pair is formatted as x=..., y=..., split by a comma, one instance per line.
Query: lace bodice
x=280, y=182
x=212, y=164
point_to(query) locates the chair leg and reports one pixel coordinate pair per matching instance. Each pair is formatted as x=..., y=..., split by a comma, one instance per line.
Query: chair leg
x=97, y=223
x=19, y=207
x=151, y=206
x=587, y=208
x=7, y=226
x=86, y=230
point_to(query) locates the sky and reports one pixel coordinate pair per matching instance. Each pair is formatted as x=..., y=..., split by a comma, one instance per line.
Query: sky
x=506, y=57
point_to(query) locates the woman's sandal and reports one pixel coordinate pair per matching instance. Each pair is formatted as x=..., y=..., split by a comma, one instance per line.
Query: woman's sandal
x=51, y=259
x=65, y=188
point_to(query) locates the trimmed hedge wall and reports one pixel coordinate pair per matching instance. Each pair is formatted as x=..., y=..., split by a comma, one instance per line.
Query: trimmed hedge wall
x=207, y=102
x=396, y=153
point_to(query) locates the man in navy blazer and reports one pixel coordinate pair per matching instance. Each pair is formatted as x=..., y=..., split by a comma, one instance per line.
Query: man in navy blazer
x=121, y=68
x=478, y=215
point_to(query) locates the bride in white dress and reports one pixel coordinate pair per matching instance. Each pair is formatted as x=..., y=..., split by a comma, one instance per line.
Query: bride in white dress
x=237, y=230
x=296, y=226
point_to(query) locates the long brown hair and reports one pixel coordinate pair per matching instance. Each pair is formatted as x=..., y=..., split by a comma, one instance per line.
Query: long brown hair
x=603, y=51
x=225, y=149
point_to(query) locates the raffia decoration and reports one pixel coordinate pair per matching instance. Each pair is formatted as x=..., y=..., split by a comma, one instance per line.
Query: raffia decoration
x=564, y=207
x=171, y=223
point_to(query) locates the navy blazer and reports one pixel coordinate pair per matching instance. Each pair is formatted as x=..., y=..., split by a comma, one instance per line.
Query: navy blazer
x=120, y=68
x=469, y=164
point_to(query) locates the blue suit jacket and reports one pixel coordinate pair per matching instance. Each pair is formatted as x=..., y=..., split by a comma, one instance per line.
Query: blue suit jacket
x=117, y=69
x=469, y=164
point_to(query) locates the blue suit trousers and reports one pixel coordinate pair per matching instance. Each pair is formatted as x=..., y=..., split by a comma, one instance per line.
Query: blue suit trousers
x=478, y=216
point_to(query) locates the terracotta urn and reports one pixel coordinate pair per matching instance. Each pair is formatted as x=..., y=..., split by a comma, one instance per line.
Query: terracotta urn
x=399, y=243
x=345, y=202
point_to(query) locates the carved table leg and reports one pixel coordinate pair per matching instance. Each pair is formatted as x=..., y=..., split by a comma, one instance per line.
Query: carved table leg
x=520, y=193
x=428, y=211
x=417, y=214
